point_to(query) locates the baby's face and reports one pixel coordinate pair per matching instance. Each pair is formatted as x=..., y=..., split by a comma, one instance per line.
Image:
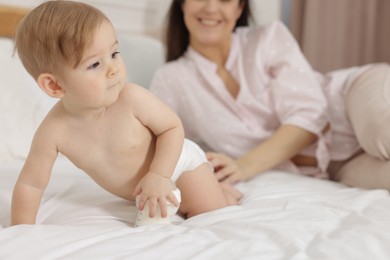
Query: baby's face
x=97, y=81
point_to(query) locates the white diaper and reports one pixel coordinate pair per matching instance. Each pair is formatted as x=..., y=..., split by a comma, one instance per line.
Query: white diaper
x=191, y=157
x=143, y=216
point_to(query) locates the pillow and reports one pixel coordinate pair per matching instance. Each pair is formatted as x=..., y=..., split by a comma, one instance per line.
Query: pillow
x=142, y=56
x=23, y=105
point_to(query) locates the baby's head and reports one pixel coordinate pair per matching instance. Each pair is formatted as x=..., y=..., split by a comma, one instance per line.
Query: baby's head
x=56, y=33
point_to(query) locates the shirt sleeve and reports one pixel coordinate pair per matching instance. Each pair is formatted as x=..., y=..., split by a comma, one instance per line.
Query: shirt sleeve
x=297, y=95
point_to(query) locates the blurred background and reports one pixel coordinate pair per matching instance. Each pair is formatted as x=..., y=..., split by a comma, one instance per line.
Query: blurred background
x=333, y=34
x=341, y=33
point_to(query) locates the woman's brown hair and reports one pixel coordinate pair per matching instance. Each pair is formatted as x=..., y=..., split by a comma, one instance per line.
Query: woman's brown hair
x=177, y=35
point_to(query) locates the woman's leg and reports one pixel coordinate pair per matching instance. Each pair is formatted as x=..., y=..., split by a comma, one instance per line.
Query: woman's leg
x=368, y=108
x=366, y=171
x=201, y=192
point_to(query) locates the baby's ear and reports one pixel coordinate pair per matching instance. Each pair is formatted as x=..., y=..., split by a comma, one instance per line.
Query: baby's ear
x=49, y=83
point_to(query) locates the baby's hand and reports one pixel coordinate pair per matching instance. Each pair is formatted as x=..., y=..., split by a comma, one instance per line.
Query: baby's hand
x=158, y=190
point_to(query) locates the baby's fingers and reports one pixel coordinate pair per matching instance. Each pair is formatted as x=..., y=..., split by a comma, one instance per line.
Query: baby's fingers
x=163, y=207
x=152, y=207
x=141, y=201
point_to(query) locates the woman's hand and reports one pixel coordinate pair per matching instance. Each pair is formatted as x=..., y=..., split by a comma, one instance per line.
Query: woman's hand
x=157, y=190
x=226, y=169
x=285, y=143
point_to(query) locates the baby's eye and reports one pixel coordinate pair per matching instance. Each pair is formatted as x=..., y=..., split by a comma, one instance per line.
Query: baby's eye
x=93, y=66
x=115, y=54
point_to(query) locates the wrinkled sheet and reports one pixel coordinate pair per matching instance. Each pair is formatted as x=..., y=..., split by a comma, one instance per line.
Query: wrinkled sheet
x=281, y=216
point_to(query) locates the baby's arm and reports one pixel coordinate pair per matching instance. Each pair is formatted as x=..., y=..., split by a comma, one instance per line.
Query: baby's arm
x=32, y=180
x=157, y=186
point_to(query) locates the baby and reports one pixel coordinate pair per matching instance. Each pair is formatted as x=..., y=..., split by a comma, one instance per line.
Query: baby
x=123, y=137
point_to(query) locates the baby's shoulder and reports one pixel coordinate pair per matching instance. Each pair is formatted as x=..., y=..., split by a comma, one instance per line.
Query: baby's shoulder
x=55, y=118
x=132, y=91
x=52, y=126
x=134, y=96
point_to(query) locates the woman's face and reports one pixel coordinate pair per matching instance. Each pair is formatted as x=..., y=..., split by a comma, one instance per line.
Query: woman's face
x=210, y=22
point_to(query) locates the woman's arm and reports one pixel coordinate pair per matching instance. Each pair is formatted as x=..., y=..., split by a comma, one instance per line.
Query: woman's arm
x=285, y=143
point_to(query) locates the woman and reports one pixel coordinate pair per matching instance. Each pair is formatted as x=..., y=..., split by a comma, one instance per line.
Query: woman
x=250, y=95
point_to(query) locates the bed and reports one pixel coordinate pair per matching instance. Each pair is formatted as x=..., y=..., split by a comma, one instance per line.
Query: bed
x=281, y=216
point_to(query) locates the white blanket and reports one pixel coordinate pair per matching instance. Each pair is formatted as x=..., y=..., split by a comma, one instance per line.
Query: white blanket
x=281, y=216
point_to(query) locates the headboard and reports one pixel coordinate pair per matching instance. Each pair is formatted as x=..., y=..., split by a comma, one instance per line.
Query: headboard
x=9, y=19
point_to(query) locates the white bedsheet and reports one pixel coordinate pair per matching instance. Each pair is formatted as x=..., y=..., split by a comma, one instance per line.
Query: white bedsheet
x=282, y=216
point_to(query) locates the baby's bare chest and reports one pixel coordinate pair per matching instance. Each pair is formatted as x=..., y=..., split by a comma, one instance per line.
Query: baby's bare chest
x=117, y=146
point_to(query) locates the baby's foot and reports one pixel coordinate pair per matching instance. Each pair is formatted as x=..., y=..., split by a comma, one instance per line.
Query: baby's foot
x=143, y=216
x=232, y=195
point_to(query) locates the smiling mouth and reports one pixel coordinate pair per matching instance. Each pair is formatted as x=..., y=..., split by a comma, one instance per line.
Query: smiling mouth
x=209, y=22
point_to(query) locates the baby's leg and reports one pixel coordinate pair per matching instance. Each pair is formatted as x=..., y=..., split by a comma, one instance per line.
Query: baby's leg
x=201, y=192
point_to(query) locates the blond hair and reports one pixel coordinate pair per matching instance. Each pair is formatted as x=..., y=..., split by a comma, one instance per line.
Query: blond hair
x=54, y=33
